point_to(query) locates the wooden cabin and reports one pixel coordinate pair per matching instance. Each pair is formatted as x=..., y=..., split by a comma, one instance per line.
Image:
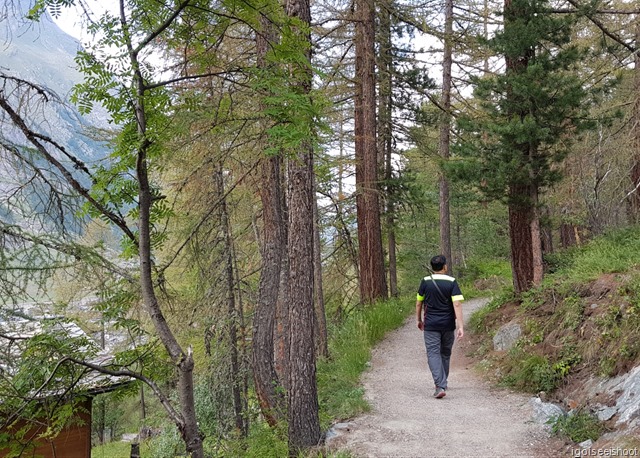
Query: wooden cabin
x=74, y=440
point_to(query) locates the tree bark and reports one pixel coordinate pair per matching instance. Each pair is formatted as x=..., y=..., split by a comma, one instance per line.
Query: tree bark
x=232, y=312
x=373, y=283
x=265, y=377
x=282, y=327
x=303, y=416
x=385, y=138
x=546, y=232
x=320, y=322
x=524, y=233
x=445, y=134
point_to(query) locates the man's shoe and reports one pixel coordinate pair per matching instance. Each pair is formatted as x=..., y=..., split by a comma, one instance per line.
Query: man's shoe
x=440, y=393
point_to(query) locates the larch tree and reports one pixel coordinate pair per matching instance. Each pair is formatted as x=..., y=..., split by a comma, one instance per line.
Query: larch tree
x=634, y=193
x=373, y=284
x=385, y=134
x=273, y=247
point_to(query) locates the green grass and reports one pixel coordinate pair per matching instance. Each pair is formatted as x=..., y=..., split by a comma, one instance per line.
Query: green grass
x=579, y=426
x=482, y=277
x=617, y=251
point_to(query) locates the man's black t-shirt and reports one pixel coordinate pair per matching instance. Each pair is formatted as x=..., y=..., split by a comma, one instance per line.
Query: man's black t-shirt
x=439, y=313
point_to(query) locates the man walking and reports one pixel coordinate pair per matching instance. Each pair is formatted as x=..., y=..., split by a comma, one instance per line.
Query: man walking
x=440, y=296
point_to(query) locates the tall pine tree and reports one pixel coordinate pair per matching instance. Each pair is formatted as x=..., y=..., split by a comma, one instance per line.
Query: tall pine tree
x=529, y=114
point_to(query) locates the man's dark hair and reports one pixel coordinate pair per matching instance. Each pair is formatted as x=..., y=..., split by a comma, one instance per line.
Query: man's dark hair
x=438, y=262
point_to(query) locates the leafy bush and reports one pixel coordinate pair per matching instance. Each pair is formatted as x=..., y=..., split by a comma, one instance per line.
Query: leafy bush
x=534, y=373
x=166, y=445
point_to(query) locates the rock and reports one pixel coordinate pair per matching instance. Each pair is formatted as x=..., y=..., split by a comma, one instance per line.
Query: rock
x=342, y=426
x=586, y=444
x=129, y=438
x=605, y=413
x=545, y=411
x=627, y=389
x=507, y=336
x=336, y=432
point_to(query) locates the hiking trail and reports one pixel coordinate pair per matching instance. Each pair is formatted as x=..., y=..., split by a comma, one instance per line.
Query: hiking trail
x=473, y=420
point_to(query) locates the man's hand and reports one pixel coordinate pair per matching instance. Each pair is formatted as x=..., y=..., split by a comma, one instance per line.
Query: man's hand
x=460, y=333
x=420, y=325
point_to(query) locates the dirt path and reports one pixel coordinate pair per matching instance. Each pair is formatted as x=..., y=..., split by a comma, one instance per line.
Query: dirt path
x=473, y=420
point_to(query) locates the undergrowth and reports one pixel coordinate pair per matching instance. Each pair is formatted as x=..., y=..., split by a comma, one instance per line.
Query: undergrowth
x=578, y=426
x=584, y=316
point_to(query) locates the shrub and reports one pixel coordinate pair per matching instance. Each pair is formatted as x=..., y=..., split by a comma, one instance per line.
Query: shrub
x=578, y=426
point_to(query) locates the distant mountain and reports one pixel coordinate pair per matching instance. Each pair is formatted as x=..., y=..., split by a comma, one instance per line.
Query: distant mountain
x=42, y=53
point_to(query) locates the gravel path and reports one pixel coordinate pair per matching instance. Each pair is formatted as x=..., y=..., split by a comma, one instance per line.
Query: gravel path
x=473, y=420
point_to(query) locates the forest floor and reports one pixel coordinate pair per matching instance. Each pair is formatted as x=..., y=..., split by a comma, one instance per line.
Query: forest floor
x=475, y=419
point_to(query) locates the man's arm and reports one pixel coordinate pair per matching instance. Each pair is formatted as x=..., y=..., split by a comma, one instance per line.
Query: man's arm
x=419, y=313
x=457, y=308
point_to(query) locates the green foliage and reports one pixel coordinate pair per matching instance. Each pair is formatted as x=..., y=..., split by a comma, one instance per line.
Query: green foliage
x=578, y=426
x=534, y=373
x=117, y=449
x=167, y=445
x=521, y=132
x=54, y=7
x=263, y=441
x=616, y=251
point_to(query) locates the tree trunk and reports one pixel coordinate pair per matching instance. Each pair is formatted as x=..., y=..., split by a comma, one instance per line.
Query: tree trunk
x=445, y=135
x=304, y=426
x=524, y=232
x=546, y=231
x=282, y=327
x=273, y=246
x=232, y=313
x=320, y=322
x=185, y=420
x=302, y=395
x=373, y=283
x=385, y=138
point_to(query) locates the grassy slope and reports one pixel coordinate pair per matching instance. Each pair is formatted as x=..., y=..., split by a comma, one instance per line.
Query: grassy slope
x=584, y=319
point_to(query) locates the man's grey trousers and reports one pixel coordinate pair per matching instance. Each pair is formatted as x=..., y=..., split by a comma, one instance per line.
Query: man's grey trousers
x=439, y=345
